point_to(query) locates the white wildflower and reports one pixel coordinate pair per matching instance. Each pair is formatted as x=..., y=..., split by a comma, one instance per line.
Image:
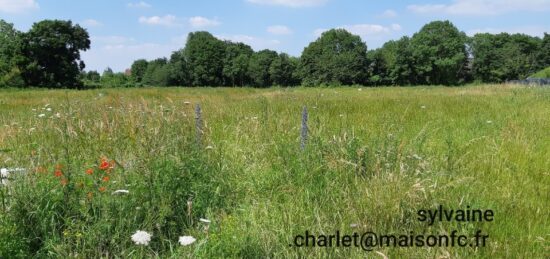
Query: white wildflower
x=58, y=115
x=360, y=89
x=121, y=192
x=205, y=221
x=33, y=110
x=423, y=107
x=186, y=240
x=49, y=109
x=489, y=122
x=415, y=156
x=209, y=147
x=4, y=172
x=341, y=115
x=42, y=115
x=186, y=102
x=353, y=225
x=141, y=238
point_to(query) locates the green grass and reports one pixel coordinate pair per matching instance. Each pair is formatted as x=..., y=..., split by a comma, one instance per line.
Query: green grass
x=373, y=159
x=545, y=73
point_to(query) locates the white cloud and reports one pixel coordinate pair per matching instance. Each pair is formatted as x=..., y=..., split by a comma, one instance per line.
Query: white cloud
x=255, y=42
x=202, y=22
x=279, y=30
x=366, y=30
x=91, y=23
x=388, y=14
x=167, y=20
x=290, y=3
x=529, y=30
x=485, y=7
x=17, y=6
x=140, y=4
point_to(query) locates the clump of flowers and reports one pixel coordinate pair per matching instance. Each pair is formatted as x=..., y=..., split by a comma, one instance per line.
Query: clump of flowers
x=141, y=238
x=101, y=175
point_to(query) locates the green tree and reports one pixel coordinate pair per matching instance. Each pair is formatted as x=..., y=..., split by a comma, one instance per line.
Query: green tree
x=543, y=57
x=439, y=52
x=52, y=50
x=235, y=63
x=10, y=55
x=403, y=71
x=204, y=55
x=112, y=79
x=381, y=62
x=157, y=73
x=138, y=69
x=337, y=57
x=179, y=69
x=503, y=57
x=258, y=67
x=283, y=70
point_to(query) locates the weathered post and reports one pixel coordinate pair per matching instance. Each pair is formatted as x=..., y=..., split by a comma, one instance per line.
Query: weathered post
x=198, y=123
x=305, y=129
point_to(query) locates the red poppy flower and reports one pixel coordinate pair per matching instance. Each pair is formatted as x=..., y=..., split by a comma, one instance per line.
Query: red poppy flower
x=104, y=165
x=58, y=173
x=89, y=171
x=102, y=189
x=106, y=178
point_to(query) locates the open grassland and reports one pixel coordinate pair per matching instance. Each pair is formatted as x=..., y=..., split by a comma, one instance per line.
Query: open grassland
x=373, y=158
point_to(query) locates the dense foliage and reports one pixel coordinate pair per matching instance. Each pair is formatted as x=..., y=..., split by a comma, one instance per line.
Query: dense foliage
x=48, y=55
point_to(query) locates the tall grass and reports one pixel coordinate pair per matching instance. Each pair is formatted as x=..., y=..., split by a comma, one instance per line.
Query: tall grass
x=372, y=159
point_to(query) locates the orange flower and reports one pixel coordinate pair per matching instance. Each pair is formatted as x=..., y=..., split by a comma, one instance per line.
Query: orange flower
x=64, y=182
x=106, y=178
x=102, y=189
x=104, y=165
x=58, y=173
x=89, y=171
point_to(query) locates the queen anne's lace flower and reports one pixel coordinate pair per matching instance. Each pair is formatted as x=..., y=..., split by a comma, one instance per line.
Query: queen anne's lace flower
x=141, y=238
x=186, y=240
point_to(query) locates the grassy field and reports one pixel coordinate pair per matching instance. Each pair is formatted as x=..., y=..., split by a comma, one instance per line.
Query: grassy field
x=373, y=158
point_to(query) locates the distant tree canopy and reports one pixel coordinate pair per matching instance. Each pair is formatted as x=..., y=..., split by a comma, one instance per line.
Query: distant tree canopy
x=337, y=57
x=48, y=55
x=502, y=57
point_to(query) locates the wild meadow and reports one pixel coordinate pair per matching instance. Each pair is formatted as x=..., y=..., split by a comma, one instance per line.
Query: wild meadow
x=99, y=165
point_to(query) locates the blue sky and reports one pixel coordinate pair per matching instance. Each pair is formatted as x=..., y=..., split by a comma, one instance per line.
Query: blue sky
x=125, y=30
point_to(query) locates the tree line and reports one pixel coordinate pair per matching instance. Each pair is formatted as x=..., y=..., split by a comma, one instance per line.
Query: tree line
x=48, y=55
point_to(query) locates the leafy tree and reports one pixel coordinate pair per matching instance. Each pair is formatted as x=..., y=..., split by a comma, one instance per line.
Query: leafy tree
x=403, y=72
x=157, y=73
x=138, y=69
x=337, y=57
x=543, y=57
x=258, y=68
x=204, y=55
x=503, y=57
x=10, y=54
x=439, y=52
x=381, y=63
x=112, y=79
x=179, y=69
x=235, y=63
x=283, y=70
x=52, y=50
